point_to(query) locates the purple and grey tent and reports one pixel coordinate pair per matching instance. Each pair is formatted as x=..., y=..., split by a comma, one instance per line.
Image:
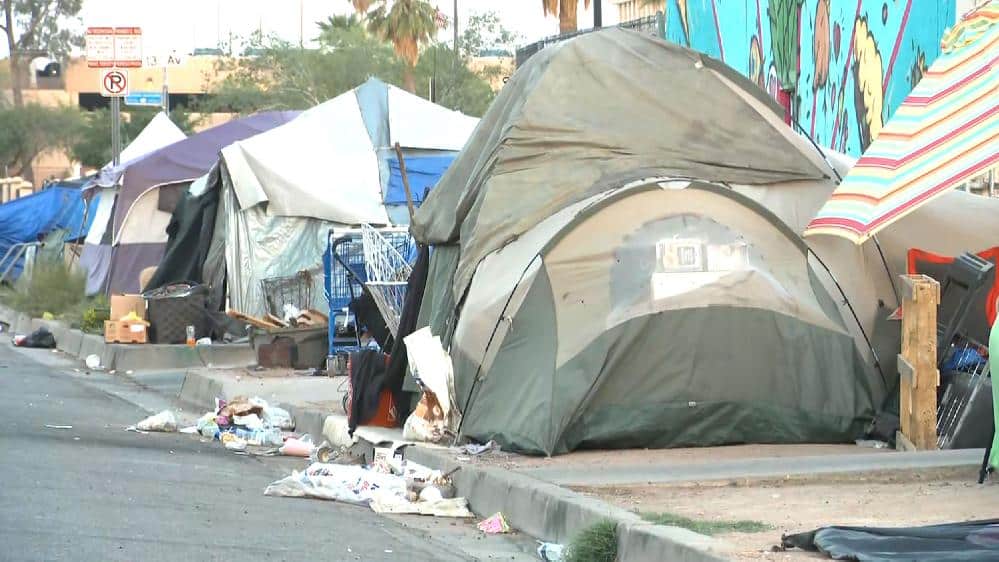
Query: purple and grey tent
x=152, y=185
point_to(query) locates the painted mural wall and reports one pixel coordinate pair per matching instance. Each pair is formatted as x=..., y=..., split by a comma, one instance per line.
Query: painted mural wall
x=841, y=66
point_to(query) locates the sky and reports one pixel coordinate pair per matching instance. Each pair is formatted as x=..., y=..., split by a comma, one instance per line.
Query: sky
x=182, y=25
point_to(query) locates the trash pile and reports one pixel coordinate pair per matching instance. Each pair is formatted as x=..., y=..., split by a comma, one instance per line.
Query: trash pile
x=243, y=422
x=390, y=484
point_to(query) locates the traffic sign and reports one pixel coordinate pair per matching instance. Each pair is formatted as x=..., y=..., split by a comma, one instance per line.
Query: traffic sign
x=150, y=99
x=109, y=47
x=114, y=83
x=100, y=47
x=128, y=47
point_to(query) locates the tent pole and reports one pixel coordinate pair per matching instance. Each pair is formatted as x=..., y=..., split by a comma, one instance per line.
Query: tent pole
x=405, y=182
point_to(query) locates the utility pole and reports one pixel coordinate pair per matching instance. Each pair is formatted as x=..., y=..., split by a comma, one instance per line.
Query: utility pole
x=301, y=29
x=598, y=14
x=455, y=28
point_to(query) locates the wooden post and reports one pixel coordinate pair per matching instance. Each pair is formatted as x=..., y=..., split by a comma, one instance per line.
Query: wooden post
x=405, y=182
x=917, y=364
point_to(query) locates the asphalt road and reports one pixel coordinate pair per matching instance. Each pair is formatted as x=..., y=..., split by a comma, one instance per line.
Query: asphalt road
x=97, y=492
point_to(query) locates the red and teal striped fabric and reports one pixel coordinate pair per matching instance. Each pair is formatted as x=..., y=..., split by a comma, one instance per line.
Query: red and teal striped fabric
x=945, y=132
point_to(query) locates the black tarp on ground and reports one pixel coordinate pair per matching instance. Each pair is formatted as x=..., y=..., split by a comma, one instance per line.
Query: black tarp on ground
x=949, y=542
x=190, y=235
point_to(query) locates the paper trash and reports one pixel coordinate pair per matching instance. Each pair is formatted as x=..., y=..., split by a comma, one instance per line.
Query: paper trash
x=164, y=421
x=494, y=525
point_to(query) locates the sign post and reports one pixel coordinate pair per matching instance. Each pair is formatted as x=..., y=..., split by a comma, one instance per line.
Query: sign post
x=114, y=84
x=114, y=48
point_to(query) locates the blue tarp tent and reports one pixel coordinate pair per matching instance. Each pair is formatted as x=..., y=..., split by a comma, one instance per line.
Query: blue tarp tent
x=59, y=206
x=422, y=172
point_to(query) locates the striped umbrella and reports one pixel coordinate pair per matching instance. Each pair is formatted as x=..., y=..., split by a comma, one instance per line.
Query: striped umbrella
x=944, y=133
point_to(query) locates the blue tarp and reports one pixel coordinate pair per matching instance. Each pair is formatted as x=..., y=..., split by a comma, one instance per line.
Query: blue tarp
x=423, y=173
x=26, y=219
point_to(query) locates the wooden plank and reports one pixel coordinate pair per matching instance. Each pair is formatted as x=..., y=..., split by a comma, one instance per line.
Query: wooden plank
x=917, y=362
x=275, y=320
x=251, y=320
x=317, y=314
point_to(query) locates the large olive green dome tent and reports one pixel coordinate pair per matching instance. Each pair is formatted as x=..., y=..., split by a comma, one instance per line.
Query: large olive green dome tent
x=613, y=264
x=665, y=314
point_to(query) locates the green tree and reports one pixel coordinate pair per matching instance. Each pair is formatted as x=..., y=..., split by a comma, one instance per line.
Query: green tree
x=458, y=87
x=283, y=76
x=37, y=26
x=92, y=145
x=485, y=31
x=407, y=24
x=30, y=130
x=566, y=11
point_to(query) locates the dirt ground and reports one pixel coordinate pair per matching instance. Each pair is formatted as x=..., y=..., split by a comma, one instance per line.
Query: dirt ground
x=798, y=505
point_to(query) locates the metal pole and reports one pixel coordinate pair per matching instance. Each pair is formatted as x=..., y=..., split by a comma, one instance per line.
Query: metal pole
x=598, y=14
x=115, y=130
x=301, y=29
x=166, y=90
x=992, y=182
x=455, y=28
x=405, y=182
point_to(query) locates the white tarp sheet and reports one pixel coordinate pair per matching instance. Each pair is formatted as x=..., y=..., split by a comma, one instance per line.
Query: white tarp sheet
x=259, y=246
x=417, y=123
x=101, y=205
x=320, y=165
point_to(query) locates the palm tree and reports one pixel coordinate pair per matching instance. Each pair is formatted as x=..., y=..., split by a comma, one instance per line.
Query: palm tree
x=407, y=24
x=566, y=11
x=361, y=6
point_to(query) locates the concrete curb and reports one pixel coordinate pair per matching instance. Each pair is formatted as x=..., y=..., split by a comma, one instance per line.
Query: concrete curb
x=131, y=357
x=545, y=510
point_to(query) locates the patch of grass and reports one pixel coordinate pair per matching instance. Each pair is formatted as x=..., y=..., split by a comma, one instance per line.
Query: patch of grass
x=594, y=544
x=52, y=288
x=704, y=527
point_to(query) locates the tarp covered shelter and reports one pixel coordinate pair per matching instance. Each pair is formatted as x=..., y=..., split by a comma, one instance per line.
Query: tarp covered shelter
x=57, y=207
x=96, y=256
x=152, y=186
x=282, y=191
x=334, y=162
x=588, y=306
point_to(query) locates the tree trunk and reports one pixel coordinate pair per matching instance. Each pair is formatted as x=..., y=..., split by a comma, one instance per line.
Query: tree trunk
x=408, y=79
x=15, y=63
x=567, y=16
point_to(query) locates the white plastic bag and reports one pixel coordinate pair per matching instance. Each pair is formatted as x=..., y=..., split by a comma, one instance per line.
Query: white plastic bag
x=251, y=421
x=279, y=418
x=345, y=483
x=164, y=421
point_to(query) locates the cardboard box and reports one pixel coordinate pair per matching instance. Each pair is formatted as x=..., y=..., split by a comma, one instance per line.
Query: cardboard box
x=122, y=305
x=126, y=331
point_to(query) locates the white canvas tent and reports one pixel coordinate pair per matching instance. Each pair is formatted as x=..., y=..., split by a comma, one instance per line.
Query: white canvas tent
x=286, y=188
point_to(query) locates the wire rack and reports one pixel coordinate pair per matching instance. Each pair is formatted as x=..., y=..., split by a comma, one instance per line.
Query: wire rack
x=295, y=290
x=388, y=273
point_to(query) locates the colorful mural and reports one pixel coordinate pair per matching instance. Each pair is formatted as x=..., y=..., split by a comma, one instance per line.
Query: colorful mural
x=842, y=66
